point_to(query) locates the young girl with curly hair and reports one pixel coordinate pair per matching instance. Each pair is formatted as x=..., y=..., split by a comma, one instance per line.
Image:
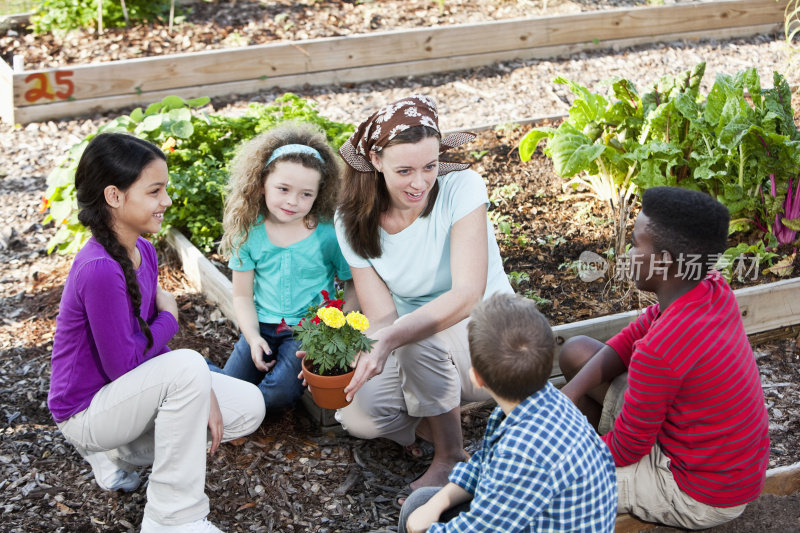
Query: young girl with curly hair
x=283, y=251
x=117, y=391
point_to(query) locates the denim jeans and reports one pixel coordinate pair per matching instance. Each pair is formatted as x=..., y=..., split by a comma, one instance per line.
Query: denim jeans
x=280, y=386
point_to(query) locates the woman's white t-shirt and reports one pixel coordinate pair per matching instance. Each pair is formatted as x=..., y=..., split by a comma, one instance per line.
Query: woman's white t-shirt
x=415, y=264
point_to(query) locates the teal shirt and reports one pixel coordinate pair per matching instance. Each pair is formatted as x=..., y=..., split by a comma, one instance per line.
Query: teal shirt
x=288, y=280
x=415, y=264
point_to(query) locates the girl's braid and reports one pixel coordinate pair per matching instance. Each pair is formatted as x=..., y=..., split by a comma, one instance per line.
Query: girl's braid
x=105, y=236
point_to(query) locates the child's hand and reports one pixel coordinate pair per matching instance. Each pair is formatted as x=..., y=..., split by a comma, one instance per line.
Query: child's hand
x=215, y=423
x=165, y=301
x=421, y=519
x=261, y=354
x=301, y=354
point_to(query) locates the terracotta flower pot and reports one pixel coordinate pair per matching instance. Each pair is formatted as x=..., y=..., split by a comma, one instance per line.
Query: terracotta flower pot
x=327, y=391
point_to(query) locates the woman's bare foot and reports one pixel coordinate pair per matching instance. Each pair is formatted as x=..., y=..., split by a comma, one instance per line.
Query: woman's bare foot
x=436, y=475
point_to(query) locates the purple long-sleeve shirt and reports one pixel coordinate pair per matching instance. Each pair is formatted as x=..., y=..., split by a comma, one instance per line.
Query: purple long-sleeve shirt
x=98, y=338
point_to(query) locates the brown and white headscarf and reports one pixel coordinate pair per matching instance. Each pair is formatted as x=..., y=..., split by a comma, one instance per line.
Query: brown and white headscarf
x=382, y=126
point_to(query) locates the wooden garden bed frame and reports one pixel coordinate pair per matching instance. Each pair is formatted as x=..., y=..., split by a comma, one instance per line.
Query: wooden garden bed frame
x=29, y=96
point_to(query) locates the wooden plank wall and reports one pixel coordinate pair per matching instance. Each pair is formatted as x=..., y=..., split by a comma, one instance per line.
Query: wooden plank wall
x=52, y=93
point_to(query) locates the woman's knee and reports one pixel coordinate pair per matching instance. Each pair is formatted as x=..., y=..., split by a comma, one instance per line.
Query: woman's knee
x=358, y=423
x=576, y=352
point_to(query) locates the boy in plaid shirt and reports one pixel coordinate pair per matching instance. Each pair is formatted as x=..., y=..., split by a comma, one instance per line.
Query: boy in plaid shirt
x=541, y=467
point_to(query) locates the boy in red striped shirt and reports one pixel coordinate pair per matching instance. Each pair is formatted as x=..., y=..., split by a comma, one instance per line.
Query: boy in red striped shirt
x=677, y=394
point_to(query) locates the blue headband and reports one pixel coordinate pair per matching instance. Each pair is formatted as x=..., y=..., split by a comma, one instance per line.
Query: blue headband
x=287, y=149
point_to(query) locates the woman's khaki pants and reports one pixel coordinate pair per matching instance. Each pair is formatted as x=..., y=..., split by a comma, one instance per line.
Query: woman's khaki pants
x=426, y=378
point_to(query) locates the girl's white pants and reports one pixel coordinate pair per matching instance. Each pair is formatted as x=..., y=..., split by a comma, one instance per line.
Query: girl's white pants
x=158, y=414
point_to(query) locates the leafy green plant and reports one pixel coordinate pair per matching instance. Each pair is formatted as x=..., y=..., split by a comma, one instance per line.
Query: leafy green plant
x=504, y=193
x=13, y=7
x=64, y=15
x=501, y=222
x=199, y=148
x=551, y=241
x=517, y=278
x=727, y=144
x=733, y=262
x=541, y=302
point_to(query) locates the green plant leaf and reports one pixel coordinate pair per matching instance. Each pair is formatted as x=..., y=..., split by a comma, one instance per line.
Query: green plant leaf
x=173, y=102
x=152, y=122
x=182, y=129
x=528, y=144
x=793, y=224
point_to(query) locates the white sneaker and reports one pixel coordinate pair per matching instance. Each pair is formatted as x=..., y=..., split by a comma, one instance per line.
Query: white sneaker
x=198, y=526
x=108, y=476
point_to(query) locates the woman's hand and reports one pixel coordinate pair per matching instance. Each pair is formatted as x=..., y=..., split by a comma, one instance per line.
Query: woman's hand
x=259, y=351
x=215, y=424
x=165, y=301
x=367, y=364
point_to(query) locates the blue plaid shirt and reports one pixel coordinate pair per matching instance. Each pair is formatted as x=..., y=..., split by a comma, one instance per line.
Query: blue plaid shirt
x=541, y=468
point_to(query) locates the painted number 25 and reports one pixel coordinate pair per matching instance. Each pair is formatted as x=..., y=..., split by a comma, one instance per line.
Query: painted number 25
x=42, y=87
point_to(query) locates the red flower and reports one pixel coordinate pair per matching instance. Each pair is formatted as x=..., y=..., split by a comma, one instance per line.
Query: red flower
x=315, y=320
x=331, y=303
x=283, y=326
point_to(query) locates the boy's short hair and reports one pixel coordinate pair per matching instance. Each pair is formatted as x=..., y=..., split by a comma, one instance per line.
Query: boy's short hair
x=686, y=222
x=511, y=345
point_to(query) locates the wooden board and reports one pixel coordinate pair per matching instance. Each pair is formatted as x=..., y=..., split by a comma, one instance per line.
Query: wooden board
x=337, y=53
x=62, y=109
x=202, y=274
x=84, y=88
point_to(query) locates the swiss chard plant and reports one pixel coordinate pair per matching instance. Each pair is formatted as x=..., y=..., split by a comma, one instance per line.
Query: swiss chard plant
x=199, y=147
x=614, y=145
x=727, y=144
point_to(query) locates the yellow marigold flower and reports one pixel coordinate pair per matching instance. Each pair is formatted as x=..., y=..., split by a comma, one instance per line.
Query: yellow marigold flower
x=357, y=321
x=332, y=317
x=169, y=145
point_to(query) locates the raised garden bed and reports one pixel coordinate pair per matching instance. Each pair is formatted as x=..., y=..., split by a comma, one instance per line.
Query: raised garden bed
x=41, y=94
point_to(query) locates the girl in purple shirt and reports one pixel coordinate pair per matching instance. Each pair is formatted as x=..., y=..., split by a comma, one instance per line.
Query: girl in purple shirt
x=117, y=391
